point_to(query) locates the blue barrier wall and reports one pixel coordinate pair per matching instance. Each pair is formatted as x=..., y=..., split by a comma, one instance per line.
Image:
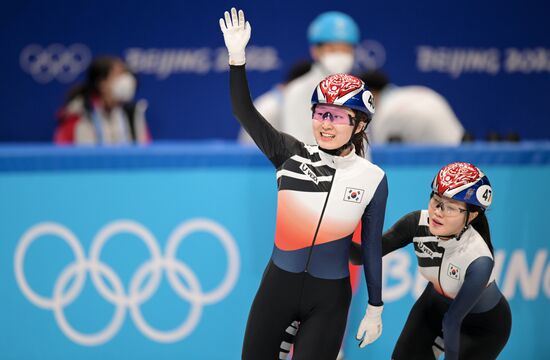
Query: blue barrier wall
x=158, y=251
x=490, y=59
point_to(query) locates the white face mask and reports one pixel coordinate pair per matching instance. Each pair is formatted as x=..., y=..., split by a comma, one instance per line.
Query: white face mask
x=123, y=88
x=337, y=62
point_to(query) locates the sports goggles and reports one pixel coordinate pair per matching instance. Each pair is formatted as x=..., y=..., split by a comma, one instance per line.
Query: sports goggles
x=335, y=115
x=446, y=208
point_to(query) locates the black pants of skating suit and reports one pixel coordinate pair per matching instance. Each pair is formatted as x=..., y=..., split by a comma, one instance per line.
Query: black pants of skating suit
x=321, y=306
x=482, y=335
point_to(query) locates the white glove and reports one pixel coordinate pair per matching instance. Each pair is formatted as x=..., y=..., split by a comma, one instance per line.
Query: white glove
x=370, y=328
x=236, y=34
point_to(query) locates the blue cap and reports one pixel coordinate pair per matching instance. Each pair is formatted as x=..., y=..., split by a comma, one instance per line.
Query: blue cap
x=333, y=26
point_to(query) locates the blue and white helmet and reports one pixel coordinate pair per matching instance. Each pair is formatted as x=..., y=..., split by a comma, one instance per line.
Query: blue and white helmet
x=333, y=26
x=344, y=90
x=464, y=182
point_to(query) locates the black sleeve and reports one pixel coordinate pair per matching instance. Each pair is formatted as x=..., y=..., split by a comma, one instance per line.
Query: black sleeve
x=371, y=248
x=355, y=254
x=401, y=233
x=277, y=146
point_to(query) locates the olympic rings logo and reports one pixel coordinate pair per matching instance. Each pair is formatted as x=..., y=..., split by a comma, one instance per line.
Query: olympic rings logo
x=65, y=291
x=55, y=62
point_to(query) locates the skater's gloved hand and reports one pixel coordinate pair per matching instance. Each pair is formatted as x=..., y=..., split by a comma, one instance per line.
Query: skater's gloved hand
x=370, y=328
x=236, y=33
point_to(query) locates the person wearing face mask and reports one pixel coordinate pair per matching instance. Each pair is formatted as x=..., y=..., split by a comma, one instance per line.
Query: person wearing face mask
x=332, y=36
x=100, y=111
x=324, y=191
x=462, y=303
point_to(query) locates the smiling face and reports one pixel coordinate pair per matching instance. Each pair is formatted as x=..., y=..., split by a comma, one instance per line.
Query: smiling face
x=447, y=216
x=333, y=125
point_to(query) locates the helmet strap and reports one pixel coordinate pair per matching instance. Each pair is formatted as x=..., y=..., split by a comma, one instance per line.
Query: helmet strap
x=466, y=224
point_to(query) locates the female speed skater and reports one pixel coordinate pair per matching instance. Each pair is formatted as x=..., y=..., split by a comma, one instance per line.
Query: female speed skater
x=324, y=191
x=461, y=303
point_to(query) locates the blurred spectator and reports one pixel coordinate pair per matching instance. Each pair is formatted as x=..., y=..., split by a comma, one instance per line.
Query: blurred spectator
x=332, y=36
x=269, y=103
x=512, y=137
x=495, y=136
x=101, y=111
x=410, y=114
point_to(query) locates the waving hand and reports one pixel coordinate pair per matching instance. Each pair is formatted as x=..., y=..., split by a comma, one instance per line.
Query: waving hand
x=236, y=33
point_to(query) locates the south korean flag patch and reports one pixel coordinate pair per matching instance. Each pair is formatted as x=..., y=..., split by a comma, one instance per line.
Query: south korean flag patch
x=353, y=195
x=453, y=272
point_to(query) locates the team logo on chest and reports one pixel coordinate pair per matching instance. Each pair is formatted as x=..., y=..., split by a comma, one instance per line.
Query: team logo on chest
x=453, y=272
x=426, y=250
x=353, y=195
x=306, y=170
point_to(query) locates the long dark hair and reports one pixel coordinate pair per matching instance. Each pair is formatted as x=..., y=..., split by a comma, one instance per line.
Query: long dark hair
x=98, y=71
x=360, y=138
x=481, y=224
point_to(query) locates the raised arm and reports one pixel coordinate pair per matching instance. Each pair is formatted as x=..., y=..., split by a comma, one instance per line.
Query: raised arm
x=275, y=145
